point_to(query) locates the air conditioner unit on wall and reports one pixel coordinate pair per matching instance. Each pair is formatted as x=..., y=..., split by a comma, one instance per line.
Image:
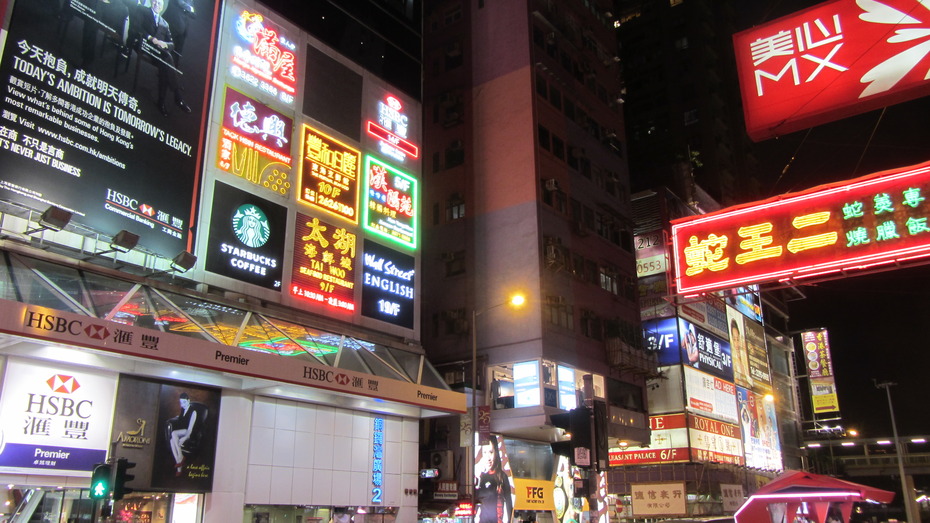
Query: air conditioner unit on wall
x=442, y=460
x=552, y=184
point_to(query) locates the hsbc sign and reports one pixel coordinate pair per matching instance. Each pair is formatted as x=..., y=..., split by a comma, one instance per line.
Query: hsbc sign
x=831, y=61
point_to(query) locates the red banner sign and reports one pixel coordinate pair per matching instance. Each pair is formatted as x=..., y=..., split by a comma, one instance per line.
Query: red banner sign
x=831, y=61
x=874, y=220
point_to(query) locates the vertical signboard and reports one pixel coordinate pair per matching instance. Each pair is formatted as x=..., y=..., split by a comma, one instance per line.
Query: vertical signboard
x=750, y=358
x=247, y=236
x=119, y=151
x=254, y=143
x=390, y=205
x=54, y=419
x=324, y=263
x=820, y=371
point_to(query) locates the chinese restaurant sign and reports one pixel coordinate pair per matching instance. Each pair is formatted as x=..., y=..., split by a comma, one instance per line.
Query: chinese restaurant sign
x=831, y=61
x=255, y=143
x=390, y=202
x=874, y=220
x=324, y=263
x=263, y=57
x=329, y=175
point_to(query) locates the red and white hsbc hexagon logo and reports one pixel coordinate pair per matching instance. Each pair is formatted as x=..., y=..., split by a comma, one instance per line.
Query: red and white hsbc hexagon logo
x=831, y=61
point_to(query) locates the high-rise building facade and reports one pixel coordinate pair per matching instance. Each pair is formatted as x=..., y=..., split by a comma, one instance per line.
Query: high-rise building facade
x=526, y=191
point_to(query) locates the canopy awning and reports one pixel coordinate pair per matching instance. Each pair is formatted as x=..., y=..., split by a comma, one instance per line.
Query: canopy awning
x=784, y=495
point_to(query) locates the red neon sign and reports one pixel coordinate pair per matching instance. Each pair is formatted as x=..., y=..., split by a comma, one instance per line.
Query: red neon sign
x=831, y=61
x=873, y=220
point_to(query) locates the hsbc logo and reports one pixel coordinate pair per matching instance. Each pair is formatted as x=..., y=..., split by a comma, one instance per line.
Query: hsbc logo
x=326, y=376
x=63, y=383
x=97, y=332
x=147, y=210
x=342, y=379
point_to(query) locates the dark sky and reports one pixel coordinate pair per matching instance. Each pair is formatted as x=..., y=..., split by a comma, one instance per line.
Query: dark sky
x=876, y=322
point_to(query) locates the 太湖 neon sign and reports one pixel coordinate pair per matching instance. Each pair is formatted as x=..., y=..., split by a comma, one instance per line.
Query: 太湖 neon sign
x=874, y=220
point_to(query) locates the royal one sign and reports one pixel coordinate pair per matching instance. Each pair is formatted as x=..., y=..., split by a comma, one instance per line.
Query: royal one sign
x=872, y=221
x=831, y=61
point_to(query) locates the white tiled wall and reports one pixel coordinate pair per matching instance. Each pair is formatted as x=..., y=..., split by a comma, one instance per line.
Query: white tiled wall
x=304, y=454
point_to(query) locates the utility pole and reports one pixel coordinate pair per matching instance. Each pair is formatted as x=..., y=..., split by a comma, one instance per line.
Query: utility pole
x=907, y=493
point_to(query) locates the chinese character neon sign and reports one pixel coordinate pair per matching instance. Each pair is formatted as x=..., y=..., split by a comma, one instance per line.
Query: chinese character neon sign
x=254, y=143
x=265, y=58
x=831, y=61
x=377, y=461
x=329, y=175
x=392, y=130
x=324, y=263
x=874, y=220
x=390, y=208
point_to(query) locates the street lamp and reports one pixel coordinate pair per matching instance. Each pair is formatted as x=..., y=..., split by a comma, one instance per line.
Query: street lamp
x=516, y=300
x=906, y=497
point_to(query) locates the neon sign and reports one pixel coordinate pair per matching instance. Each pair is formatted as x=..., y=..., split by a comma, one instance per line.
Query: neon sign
x=391, y=130
x=874, y=220
x=329, y=175
x=254, y=143
x=388, y=285
x=831, y=61
x=266, y=58
x=390, y=209
x=324, y=263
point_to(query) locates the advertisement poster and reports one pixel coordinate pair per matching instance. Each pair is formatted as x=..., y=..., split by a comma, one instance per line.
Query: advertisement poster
x=661, y=337
x=750, y=358
x=710, y=396
x=388, y=285
x=54, y=419
x=255, y=143
x=714, y=441
x=759, y=430
x=168, y=430
x=324, y=263
x=119, y=151
x=820, y=371
x=705, y=351
x=494, y=490
x=653, y=291
x=247, y=235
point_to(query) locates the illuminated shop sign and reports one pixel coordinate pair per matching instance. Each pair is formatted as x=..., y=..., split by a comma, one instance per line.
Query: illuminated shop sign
x=668, y=444
x=874, y=220
x=820, y=370
x=390, y=206
x=56, y=418
x=391, y=130
x=705, y=351
x=759, y=430
x=255, y=143
x=263, y=57
x=377, y=461
x=75, y=136
x=329, y=175
x=661, y=337
x=713, y=441
x=388, y=285
x=834, y=60
x=246, y=237
x=324, y=263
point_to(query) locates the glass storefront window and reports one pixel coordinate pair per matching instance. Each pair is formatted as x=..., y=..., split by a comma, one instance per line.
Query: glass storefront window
x=75, y=506
x=301, y=514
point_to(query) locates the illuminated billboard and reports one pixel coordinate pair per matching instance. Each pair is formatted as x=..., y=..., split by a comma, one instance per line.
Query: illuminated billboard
x=263, y=56
x=329, y=174
x=390, y=204
x=713, y=441
x=324, y=263
x=255, y=143
x=820, y=371
x=119, y=152
x=247, y=236
x=668, y=444
x=833, y=60
x=874, y=220
x=388, y=285
x=391, y=130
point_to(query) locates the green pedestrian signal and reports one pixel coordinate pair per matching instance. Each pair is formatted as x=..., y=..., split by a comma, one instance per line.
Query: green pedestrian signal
x=100, y=481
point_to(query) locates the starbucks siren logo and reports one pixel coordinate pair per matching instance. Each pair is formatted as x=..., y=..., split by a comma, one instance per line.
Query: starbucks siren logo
x=251, y=226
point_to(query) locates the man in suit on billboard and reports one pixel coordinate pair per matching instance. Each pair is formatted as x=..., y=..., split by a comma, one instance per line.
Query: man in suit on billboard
x=158, y=42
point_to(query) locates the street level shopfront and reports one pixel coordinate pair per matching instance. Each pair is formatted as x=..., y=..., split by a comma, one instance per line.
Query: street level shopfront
x=230, y=414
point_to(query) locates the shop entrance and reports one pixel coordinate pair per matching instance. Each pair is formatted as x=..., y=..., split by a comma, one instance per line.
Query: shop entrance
x=20, y=504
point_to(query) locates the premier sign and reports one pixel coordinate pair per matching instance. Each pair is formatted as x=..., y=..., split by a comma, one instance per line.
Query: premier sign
x=875, y=220
x=831, y=61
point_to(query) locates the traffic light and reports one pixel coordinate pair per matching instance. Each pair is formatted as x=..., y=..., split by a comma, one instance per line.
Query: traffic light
x=121, y=478
x=577, y=422
x=600, y=435
x=100, y=481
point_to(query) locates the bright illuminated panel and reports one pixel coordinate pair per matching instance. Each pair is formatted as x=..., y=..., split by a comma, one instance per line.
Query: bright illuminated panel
x=324, y=263
x=329, y=175
x=834, y=60
x=263, y=57
x=392, y=130
x=255, y=143
x=390, y=207
x=874, y=220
